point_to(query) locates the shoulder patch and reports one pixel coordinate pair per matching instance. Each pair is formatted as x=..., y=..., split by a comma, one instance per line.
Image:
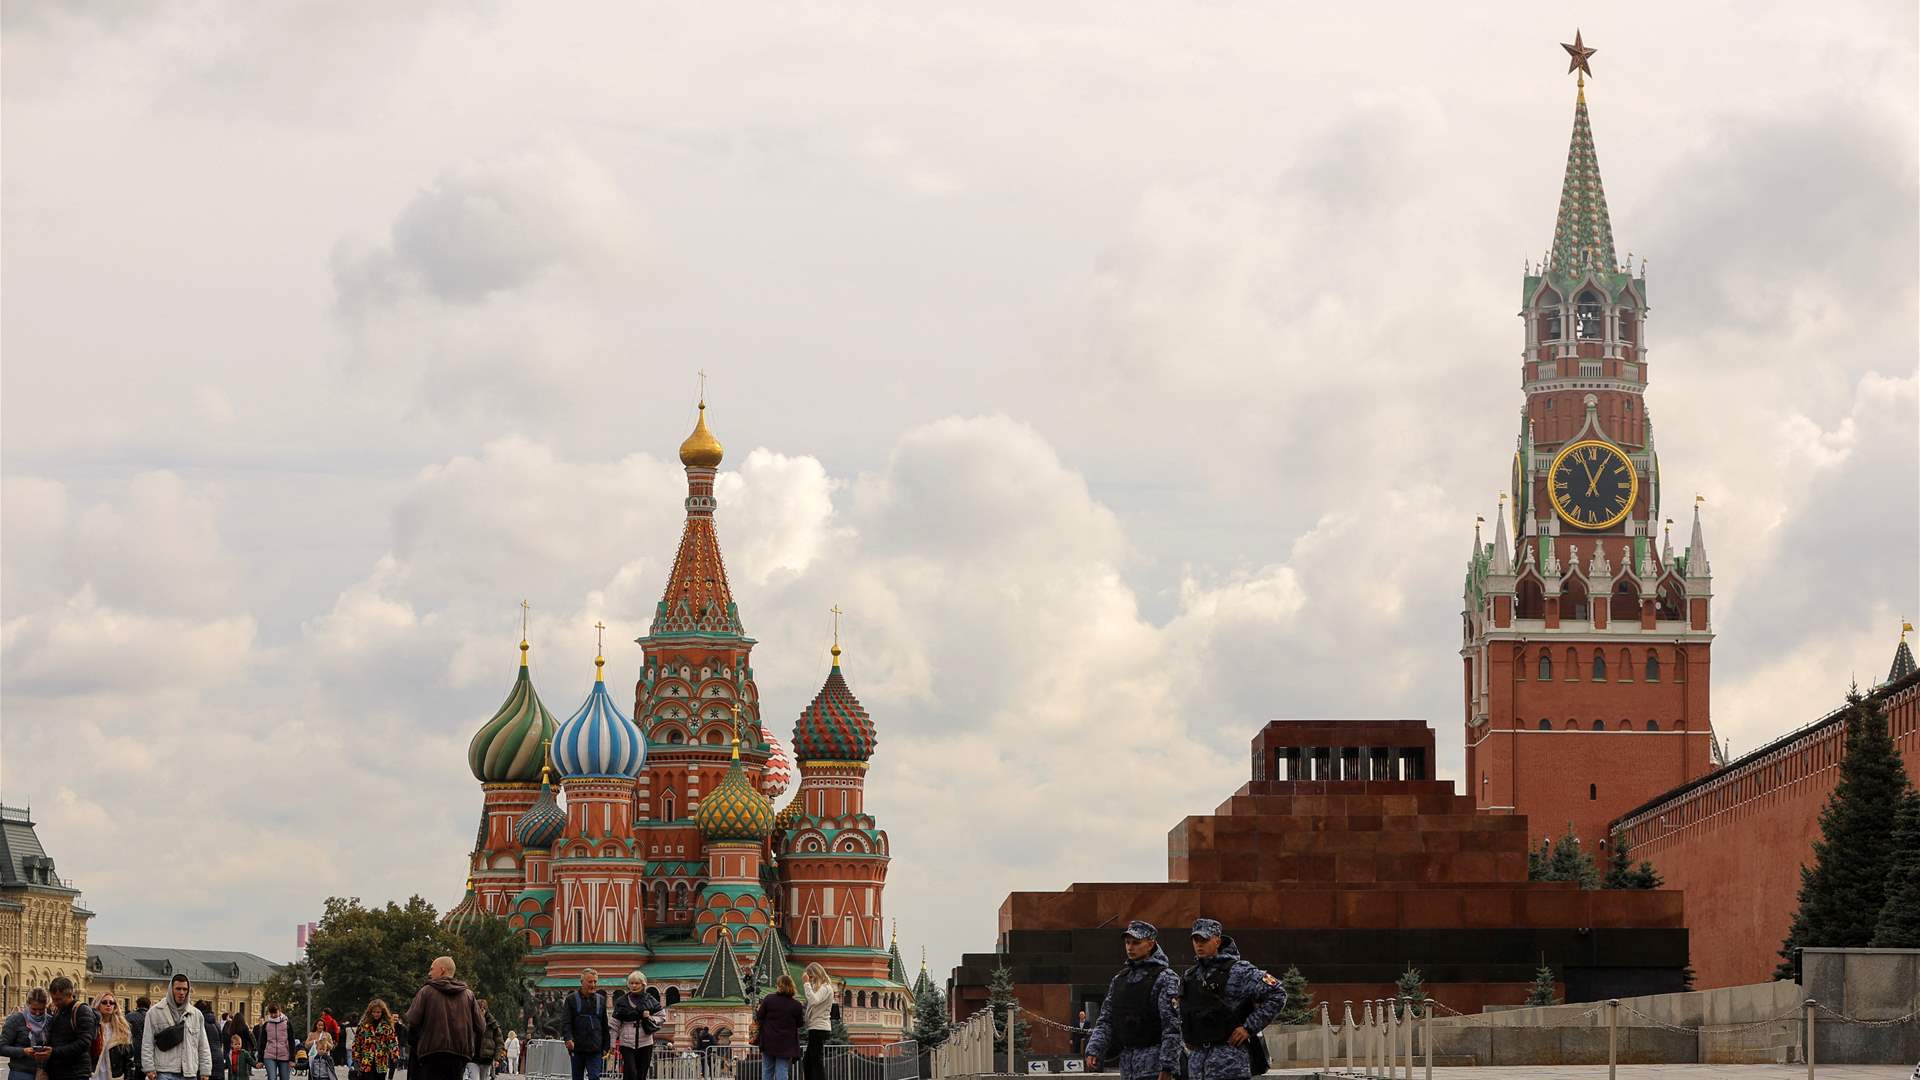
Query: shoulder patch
x=1268, y=979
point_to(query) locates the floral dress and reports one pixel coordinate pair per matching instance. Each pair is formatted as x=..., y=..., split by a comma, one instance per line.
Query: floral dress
x=375, y=1046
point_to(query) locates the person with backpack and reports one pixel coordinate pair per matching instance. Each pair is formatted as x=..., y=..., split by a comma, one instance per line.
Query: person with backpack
x=1139, y=1019
x=173, y=1041
x=68, y=1054
x=1224, y=1003
x=586, y=1023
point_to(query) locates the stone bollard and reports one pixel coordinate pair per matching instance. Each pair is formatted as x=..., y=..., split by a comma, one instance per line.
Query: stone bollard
x=1613, y=1036
x=1809, y=1004
x=1326, y=1039
x=1346, y=1021
x=1426, y=1035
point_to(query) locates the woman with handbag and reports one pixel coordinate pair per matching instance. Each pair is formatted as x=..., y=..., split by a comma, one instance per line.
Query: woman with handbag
x=634, y=1021
x=113, y=1046
x=376, y=1043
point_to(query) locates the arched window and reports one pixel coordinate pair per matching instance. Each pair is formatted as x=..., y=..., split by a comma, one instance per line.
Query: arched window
x=1589, y=317
x=1549, y=327
x=1653, y=666
x=1599, y=725
x=1546, y=665
x=1593, y=792
x=676, y=738
x=1599, y=666
x=1626, y=725
x=1653, y=725
x=1532, y=602
x=1546, y=724
x=715, y=737
x=660, y=902
x=1629, y=325
x=666, y=806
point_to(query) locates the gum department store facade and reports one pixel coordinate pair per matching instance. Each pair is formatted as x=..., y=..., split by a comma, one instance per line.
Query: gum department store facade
x=655, y=845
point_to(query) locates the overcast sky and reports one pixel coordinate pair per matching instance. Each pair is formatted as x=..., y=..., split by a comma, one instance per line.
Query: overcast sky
x=1132, y=374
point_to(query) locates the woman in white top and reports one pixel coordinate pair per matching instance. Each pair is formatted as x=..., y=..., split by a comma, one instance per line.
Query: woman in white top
x=819, y=1020
x=632, y=1011
x=513, y=1053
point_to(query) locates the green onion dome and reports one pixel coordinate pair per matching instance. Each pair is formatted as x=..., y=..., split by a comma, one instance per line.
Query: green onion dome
x=735, y=810
x=544, y=821
x=465, y=913
x=836, y=726
x=510, y=748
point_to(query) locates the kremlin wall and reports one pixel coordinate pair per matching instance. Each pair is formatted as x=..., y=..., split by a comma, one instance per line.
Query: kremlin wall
x=653, y=843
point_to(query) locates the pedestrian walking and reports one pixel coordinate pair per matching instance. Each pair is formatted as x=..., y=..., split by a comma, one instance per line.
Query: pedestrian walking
x=584, y=1022
x=337, y=1034
x=320, y=1055
x=1080, y=1030
x=777, y=1024
x=113, y=1053
x=445, y=1023
x=1139, y=1022
x=481, y=1068
x=173, y=1041
x=819, y=1020
x=376, y=1045
x=511, y=1062
x=634, y=1022
x=235, y=1025
x=25, y=1034
x=240, y=1060
x=68, y=1054
x=275, y=1040
x=137, y=1021
x=1224, y=1003
x=217, y=1047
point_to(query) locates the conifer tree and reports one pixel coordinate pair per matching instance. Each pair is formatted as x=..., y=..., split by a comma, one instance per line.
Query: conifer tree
x=1564, y=861
x=1899, y=925
x=1410, y=989
x=1300, y=1007
x=1000, y=998
x=930, y=1027
x=1622, y=874
x=1541, y=992
x=1843, y=893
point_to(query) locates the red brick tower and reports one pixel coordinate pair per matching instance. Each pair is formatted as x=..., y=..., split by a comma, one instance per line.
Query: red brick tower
x=1585, y=644
x=697, y=665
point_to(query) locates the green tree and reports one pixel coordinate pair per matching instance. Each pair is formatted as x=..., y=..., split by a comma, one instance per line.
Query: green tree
x=1564, y=862
x=1300, y=1007
x=1899, y=925
x=488, y=954
x=1410, y=989
x=930, y=1027
x=1843, y=893
x=288, y=987
x=1000, y=998
x=1541, y=992
x=359, y=953
x=1622, y=874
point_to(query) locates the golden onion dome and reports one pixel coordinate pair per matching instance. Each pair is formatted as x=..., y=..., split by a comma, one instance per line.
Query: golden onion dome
x=735, y=810
x=701, y=448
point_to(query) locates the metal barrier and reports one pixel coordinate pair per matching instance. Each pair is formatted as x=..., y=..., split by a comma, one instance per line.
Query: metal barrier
x=968, y=1050
x=738, y=1061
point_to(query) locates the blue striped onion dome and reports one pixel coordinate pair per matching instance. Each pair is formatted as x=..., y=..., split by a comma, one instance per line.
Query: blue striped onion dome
x=735, y=810
x=599, y=740
x=508, y=748
x=543, y=822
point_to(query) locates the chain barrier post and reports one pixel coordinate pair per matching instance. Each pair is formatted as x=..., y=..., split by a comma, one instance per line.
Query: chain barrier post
x=1810, y=1053
x=1392, y=1033
x=1406, y=1027
x=1346, y=1024
x=1372, y=1041
x=1426, y=1037
x=1613, y=1037
x=1326, y=1038
x=1382, y=1040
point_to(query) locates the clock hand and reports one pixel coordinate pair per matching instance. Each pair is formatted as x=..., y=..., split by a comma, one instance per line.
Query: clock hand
x=1592, y=481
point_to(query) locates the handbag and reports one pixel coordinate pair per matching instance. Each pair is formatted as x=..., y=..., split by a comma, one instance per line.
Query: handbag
x=169, y=1037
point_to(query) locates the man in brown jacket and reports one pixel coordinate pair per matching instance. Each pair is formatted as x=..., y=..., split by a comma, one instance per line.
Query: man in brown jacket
x=444, y=1024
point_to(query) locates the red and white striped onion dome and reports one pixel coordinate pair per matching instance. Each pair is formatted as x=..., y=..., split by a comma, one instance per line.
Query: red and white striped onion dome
x=779, y=770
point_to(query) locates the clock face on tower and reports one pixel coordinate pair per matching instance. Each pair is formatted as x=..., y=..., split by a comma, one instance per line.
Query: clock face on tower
x=1594, y=485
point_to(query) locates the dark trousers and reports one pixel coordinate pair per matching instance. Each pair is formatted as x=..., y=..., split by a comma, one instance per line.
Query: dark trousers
x=587, y=1066
x=815, y=1063
x=636, y=1062
x=437, y=1067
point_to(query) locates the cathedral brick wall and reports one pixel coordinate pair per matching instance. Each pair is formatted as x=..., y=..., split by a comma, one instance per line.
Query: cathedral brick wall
x=1735, y=841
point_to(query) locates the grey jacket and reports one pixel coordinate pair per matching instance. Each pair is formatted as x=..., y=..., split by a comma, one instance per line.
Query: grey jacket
x=193, y=1057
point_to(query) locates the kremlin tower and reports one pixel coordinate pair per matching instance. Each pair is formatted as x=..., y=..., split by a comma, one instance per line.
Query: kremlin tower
x=1585, y=635
x=653, y=843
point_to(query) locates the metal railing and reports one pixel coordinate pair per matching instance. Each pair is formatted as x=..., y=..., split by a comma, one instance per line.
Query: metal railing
x=738, y=1061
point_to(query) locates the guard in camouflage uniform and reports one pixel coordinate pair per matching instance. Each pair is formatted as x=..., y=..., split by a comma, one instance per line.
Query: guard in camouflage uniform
x=1224, y=1002
x=1140, y=1018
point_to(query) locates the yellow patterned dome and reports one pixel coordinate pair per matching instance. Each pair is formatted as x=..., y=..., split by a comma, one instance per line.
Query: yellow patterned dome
x=790, y=814
x=736, y=810
x=701, y=448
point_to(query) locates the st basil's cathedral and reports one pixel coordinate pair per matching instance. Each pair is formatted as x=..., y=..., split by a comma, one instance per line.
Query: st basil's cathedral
x=614, y=844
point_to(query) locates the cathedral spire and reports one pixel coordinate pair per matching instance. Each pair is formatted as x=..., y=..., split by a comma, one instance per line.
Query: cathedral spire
x=1582, y=232
x=698, y=599
x=1697, y=565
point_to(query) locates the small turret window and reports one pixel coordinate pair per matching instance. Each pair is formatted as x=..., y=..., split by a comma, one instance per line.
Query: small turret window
x=1546, y=665
x=1653, y=725
x=1599, y=725
x=1653, y=666
x=1590, y=317
x=1629, y=326
x=1546, y=724
x=1599, y=666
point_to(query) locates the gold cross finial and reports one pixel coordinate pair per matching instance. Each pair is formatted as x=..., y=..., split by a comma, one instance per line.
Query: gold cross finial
x=1905, y=629
x=524, y=609
x=703, y=388
x=599, y=650
x=835, y=609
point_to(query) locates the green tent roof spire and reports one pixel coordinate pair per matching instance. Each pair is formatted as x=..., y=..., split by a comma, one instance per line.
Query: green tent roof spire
x=722, y=979
x=771, y=963
x=1582, y=232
